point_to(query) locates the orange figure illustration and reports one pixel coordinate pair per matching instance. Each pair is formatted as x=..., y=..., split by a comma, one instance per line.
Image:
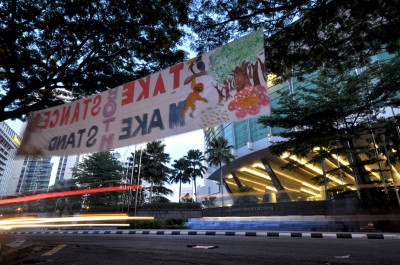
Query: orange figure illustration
x=194, y=96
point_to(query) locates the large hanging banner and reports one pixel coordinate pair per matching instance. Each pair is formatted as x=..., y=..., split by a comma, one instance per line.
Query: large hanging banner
x=224, y=85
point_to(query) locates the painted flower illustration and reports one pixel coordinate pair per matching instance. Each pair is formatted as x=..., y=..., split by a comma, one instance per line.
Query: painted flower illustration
x=249, y=101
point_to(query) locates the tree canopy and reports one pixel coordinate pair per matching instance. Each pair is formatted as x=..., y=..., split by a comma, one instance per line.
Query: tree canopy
x=97, y=170
x=55, y=51
x=301, y=34
x=101, y=169
x=333, y=114
x=333, y=106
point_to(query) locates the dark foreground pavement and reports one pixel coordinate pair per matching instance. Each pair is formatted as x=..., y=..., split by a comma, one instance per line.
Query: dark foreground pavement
x=85, y=247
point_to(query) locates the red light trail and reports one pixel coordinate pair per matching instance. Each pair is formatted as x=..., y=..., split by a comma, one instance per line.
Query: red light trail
x=42, y=196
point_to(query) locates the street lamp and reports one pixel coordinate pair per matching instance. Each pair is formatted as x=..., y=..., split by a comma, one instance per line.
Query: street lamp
x=138, y=179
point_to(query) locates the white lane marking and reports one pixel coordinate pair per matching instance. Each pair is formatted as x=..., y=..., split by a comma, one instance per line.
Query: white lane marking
x=17, y=243
x=54, y=250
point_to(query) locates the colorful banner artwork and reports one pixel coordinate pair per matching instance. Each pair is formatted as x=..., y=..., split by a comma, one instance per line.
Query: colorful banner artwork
x=224, y=85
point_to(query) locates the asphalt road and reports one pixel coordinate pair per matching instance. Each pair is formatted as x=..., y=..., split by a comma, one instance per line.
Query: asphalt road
x=123, y=249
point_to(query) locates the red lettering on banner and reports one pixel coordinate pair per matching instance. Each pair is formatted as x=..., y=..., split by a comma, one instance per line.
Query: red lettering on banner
x=54, y=122
x=75, y=117
x=160, y=88
x=36, y=121
x=58, y=117
x=128, y=93
x=83, y=110
x=65, y=115
x=146, y=87
x=96, y=105
x=175, y=70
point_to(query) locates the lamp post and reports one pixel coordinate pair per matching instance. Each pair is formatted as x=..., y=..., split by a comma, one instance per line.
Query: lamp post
x=131, y=179
x=221, y=185
x=138, y=180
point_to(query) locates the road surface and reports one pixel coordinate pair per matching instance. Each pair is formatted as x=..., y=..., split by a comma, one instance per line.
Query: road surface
x=102, y=249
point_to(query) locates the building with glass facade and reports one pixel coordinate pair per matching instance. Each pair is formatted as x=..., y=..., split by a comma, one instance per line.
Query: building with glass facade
x=65, y=165
x=9, y=142
x=256, y=167
x=35, y=174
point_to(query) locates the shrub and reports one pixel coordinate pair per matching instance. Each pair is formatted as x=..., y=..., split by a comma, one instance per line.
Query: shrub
x=174, y=223
x=147, y=224
x=170, y=206
x=158, y=224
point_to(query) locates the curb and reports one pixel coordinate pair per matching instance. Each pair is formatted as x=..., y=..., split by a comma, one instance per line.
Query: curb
x=342, y=235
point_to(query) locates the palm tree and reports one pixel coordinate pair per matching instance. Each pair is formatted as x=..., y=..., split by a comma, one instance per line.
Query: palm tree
x=180, y=173
x=155, y=168
x=195, y=158
x=218, y=152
